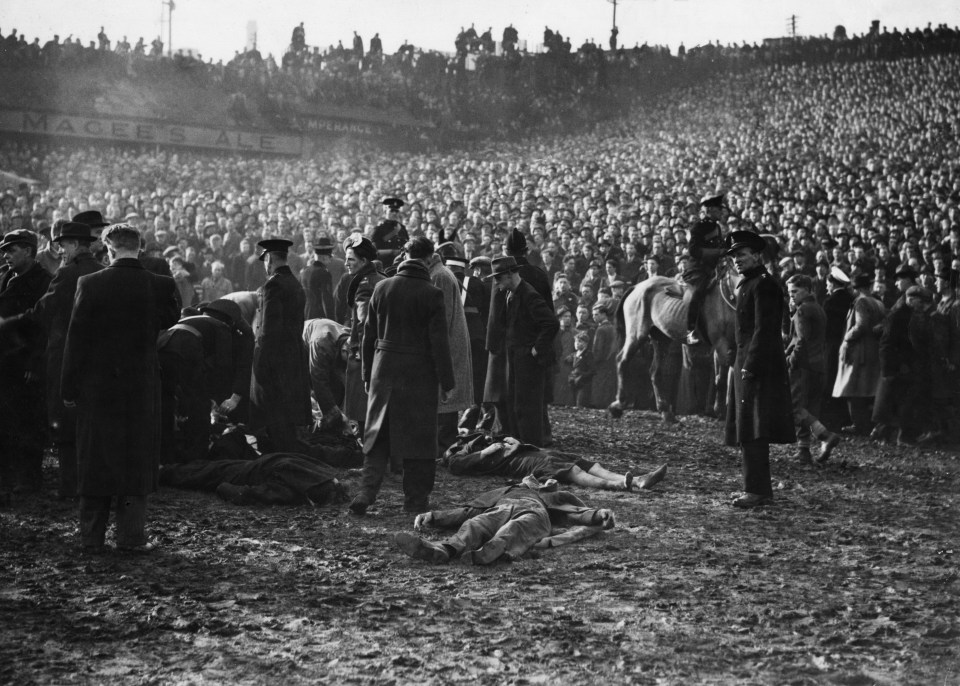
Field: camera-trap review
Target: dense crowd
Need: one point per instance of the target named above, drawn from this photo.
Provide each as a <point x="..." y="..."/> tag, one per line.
<point x="849" y="166"/>
<point x="484" y="86"/>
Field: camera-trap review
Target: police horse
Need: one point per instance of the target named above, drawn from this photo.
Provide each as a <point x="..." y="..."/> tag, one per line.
<point x="657" y="309"/>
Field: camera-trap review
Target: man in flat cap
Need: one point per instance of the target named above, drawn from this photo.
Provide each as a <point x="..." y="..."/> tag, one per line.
<point x="22" y="412"/>
<point x="317" y="282"/>
<point x="109" y="375"/>
<point x="204" y="359"/>
<point x="280" y="388"/>
<point x="363" y="278"/>
<point x="759" y="410"/>
<point x="390" y="235"/>
<point x="53" y="312"/>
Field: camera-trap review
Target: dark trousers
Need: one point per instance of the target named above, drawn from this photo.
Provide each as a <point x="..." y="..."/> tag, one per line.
<point x="446" y="432"/>
<point x="131" y="515"/>
<point x="859" y="409"/>
<point x="755" y="458"/>
<point x="67" y="456"/>
<point x="419" y="477"/>
<point x="526" y="379"/>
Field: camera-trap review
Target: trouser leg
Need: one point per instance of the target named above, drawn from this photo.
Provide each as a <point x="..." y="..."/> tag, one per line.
<point x="94" y="515"/>
<point x="131" y="520"/>
<point x="196" y="431"/>
<point x="522" y="532"/>
<point x="755" y="457"/>
<point x="446" y="431"/>
<point x="476" y="531"/>
<point x="374" y="469"/>
<point x="67" y="455"/>
<point x="418" y="479"/>
<point x="860" y="414"/>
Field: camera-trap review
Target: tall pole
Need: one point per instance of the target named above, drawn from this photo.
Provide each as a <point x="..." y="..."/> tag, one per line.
<point x="170" y="6"/>
<point x="614" y="13"/>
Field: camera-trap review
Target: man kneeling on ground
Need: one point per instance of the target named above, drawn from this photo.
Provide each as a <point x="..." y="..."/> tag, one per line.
<point x="506" y="523"/>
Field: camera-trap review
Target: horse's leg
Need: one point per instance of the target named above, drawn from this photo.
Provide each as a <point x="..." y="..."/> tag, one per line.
<point x="661" y="375"/>
<point x="721" y="367"/>
<point x="626" y="353"/>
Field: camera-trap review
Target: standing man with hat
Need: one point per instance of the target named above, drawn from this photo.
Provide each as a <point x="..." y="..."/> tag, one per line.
<point x="390" y="236"/>
<point x="858" y="374"/>
<point x="204" y="358"/>
<point x="317" y="282"/>
<point x="529" y="326"/>
<point x="22" y="412"/>
<point x="53" y="312"/>
<point x="407" y="368"/>
<point x="110" y="376"/>
<point x="759" y="410"/>
<point x="363" y="278"/>
<point x="280" y="388"/>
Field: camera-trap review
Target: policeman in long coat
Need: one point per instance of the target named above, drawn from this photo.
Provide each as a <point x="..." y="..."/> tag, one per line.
<point x="53" y="312"/>
<point x="110" y="376"/>
<point x="407" y="364"/>
<point x="759" y="410"/>
<point x="280" y="388"/>
<point x="22" y="411"/>
<point x="390" y="235"/>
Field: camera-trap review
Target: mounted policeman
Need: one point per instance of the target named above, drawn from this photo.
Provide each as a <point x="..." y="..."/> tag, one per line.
<point x="706" y="247"/>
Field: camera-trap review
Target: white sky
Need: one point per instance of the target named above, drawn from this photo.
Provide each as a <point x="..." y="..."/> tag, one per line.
<point x="219" y="27"/>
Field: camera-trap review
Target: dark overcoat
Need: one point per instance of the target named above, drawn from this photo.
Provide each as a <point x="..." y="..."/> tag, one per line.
<point x="358" y="293"/>
<point x="406" y="360"/>
<point x="760" y="408"/>
<point x="280" y="388"/>
<point x="18" y="293"/>
<point x="318" y="288"/>
<point x="495" y="386"/>
<point x="53" y="312"/>
<point x="110" y="370"/>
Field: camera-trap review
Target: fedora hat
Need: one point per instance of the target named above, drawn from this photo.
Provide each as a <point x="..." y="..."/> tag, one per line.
<point x="91" y="218"/>
<point x="503" y="265"/>
<point x="74" y="230"/>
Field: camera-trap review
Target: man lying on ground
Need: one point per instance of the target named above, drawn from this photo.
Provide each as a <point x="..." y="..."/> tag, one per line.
<point x="476" y="455"/>
<point x="506" y="523"/>
<point x="273" y="479"/>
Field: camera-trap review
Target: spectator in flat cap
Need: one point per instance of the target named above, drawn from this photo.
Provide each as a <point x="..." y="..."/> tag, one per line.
<point x="109" y="375"/>
<point x="280" y="390"/>
<point x="53" y="312"/>
<point x="22" y="420"/>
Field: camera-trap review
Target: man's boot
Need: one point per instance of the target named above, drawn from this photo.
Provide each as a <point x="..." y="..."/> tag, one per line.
<point x="830" y="441"/>
<point x="374" y="469"/>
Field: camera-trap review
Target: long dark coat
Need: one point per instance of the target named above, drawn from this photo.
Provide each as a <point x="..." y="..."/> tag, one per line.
<point x="495" y="386"/>
<point x="18" y="293"/>
<point x="53" y="312"/>
<point x="406" y="360"/>
<point x="759" y="409"/>
<point x="318" y="288"/>
<point x="359" y="290"/>
<point x="110" y="370"/>
<point x="280" y="388"/>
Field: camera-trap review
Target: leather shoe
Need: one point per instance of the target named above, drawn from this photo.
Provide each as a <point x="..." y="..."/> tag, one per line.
<point x="827" y="446"/>
<point x="416" y="547"/>
<point x="748" y="501"/>
<point x="359" y="505"/>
